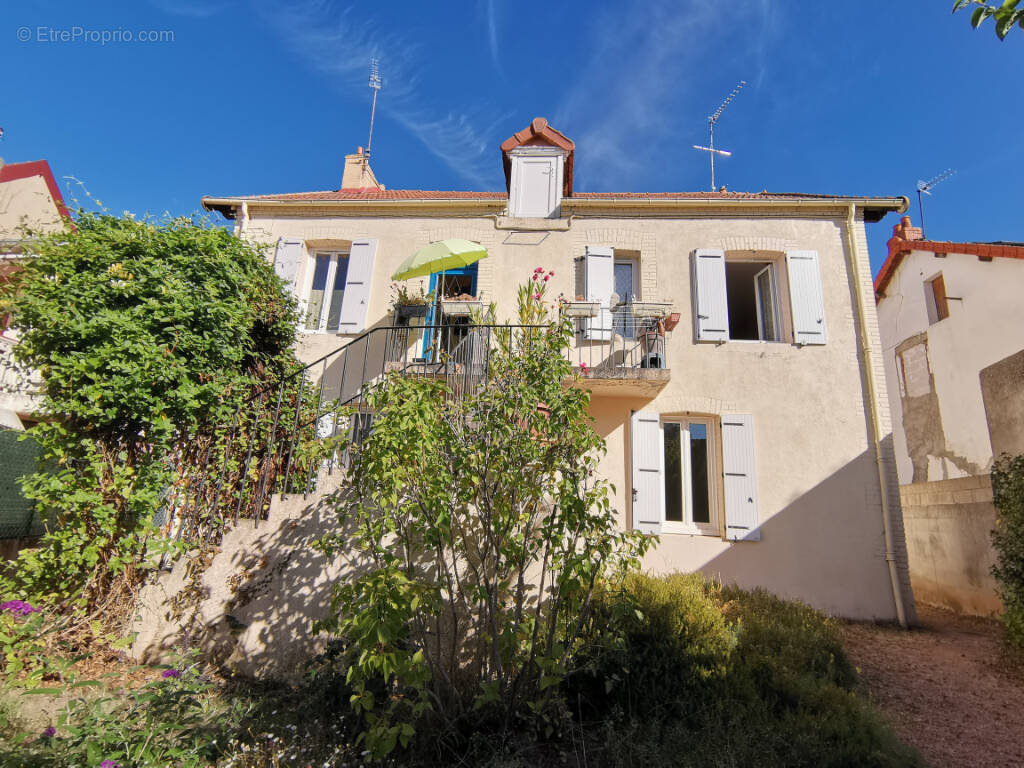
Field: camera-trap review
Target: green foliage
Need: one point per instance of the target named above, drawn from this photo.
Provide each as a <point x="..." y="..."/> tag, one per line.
<point x="650" y="640"/>
<point x="749" y="679"/>
<point x="480" y="532"/>
<point x="147" y="336"/>
<point x="1006" y="16"/>
<point x="1008" y="540"/>
<point x="170" y="721"/>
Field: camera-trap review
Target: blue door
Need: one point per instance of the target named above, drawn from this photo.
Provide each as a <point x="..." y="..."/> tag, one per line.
<point x="456" y="282"/>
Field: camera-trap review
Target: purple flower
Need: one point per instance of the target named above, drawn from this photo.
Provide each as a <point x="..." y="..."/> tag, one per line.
<point x="110" y="764"/>
<point x="171" y="673"/>
<point x="49" y="732"/>
<point x="18" y="608"/>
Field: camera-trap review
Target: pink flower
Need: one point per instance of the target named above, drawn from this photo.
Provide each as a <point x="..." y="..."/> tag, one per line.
<point x="546" y="278"/>
<point x="551" y="273"/>
<point x="534" y="278"/>
<point x="583" y="367"/>
<point x="536" y="296"/>
<point x="539" y="269"/>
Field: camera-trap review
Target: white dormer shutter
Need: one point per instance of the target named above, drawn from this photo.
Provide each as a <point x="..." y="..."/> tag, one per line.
<point x="599" y="263"/>
<point x="286" y="261"/>
<point x="710" y="301"/>
<point x="357" y="286"/>
<point x="648" y="491"/>
<point x="741" y="517"/>
<point x="806" y="297"/>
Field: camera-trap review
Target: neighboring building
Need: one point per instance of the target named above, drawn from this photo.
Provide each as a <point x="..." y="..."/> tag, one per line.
<point x="952" y="328"/>
<point x="30" y="204"/>
<point x="756" y="439"/>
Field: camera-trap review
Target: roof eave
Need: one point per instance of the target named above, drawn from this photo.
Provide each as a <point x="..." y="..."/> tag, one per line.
<point x="875" y="208"/>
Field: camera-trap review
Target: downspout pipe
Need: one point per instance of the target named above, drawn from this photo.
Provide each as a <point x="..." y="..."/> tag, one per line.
<point x="869" y="373"/>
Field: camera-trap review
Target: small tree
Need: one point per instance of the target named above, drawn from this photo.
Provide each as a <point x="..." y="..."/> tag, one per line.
<point x="477" y="530"/>
<point x="1008" y="540"/>
<point x="147" y="336"/>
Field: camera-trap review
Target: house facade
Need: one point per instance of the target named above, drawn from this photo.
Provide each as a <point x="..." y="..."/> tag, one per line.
<point x="753" y="436"/>
<point x="952" y="329"/>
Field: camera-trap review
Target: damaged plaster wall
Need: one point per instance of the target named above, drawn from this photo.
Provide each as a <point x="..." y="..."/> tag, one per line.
<point x="941" y="425"/>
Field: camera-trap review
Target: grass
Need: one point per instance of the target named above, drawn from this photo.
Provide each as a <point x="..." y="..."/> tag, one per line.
<point x="675" y="672"/>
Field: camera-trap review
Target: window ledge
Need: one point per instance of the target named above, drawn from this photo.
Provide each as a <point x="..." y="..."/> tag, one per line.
<point x="681" y="529"/>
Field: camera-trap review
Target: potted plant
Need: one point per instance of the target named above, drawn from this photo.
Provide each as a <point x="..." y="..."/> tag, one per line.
<point x="460" y="306"/>
<point x="578" y="307"/>
<point x="406" y="303"/>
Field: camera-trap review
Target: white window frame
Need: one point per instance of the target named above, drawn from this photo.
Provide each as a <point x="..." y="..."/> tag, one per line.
<point x="773" y="288"/>
<point x="687" y="526"/>
<point x="332" y="273"/>
<point x="634" y="264"/>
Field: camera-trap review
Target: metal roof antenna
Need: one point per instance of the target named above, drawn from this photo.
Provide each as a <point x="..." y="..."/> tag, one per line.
<point x="375" y="84"/>
<point x="712" y="119"/>
<point x="926" y="187"/>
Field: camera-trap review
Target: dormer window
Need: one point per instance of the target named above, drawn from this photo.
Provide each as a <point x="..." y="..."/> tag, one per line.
<point x="535" y="189"/>
<point x="538" y="170"/>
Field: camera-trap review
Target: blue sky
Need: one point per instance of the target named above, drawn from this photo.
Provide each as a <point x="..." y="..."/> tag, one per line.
<point x="261" y="97"/>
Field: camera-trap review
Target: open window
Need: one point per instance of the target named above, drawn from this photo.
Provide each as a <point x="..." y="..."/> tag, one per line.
<point x="327" y="291"/>
<point x="740" y="296"/>
<point x="936" y="302"/>
<point x="753" y="300"/>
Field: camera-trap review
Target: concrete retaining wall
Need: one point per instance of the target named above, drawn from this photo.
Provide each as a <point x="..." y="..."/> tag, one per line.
<point x="948" y="525"/>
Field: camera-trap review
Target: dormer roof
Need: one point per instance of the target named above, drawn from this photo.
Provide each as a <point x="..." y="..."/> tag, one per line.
<point x="539" y="134"/>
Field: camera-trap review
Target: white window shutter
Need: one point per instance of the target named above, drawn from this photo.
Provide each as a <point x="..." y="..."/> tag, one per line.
<point x="357" y="286"/>
<point x="710" y="303"/>
<point x="599" y="262"/>
<point x="741" y="518"/>
<point x="286" y="260"/>
<point x="806" y="296"/>
<point x="646" y="440"/>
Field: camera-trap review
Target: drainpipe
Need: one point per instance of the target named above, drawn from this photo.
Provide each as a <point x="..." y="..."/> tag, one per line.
<point x="865" y="345"/>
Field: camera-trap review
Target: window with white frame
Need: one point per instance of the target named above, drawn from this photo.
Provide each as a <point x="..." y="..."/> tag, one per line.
<point x="676" y="465"/>
<point x="690" y="503"/>
<point x="740" y="298"/>
<point x="333" y="285"/>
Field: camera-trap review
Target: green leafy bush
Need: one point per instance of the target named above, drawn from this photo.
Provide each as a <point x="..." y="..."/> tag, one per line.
<point x="650" y="643"/>
<point x="148" y="336"/>
<point x="1008" y="540"/>
<point x="476" y="531"/>
<point x="721" y="676"/>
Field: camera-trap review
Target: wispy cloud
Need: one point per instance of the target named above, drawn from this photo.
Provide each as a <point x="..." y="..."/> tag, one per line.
<point x="651" y="58"/>
<point x="340" y="44"/>
<point x="491" y="11"/>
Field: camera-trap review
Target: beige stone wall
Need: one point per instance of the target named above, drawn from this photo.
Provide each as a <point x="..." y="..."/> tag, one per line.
<point x="819" y="494"/>
<point x="948" y="525"/>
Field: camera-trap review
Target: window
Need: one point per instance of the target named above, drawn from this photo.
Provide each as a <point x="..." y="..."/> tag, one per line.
<point x="676" y="463"/>
<point x="625" y="282"/>
<point x="741" y="297"/>
<point x="327" y="292"/>
<point x="535" y="185"/>
<point x="935" y="299"/>
<point x="752" y="298"/>
<point x="689" y="505"/>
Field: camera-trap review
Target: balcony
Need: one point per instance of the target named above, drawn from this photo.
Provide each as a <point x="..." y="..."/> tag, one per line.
<point x="623" y="352"/>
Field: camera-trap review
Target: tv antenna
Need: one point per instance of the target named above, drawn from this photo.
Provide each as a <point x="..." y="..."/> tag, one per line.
<point x="712" y="119"/>
<point x="926" y="188"/>
<point x="375" y="84"/>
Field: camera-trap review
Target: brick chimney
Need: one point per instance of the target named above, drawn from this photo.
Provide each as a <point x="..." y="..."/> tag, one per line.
<point x="905" y="231"/>
<point x="358" y="174"/>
